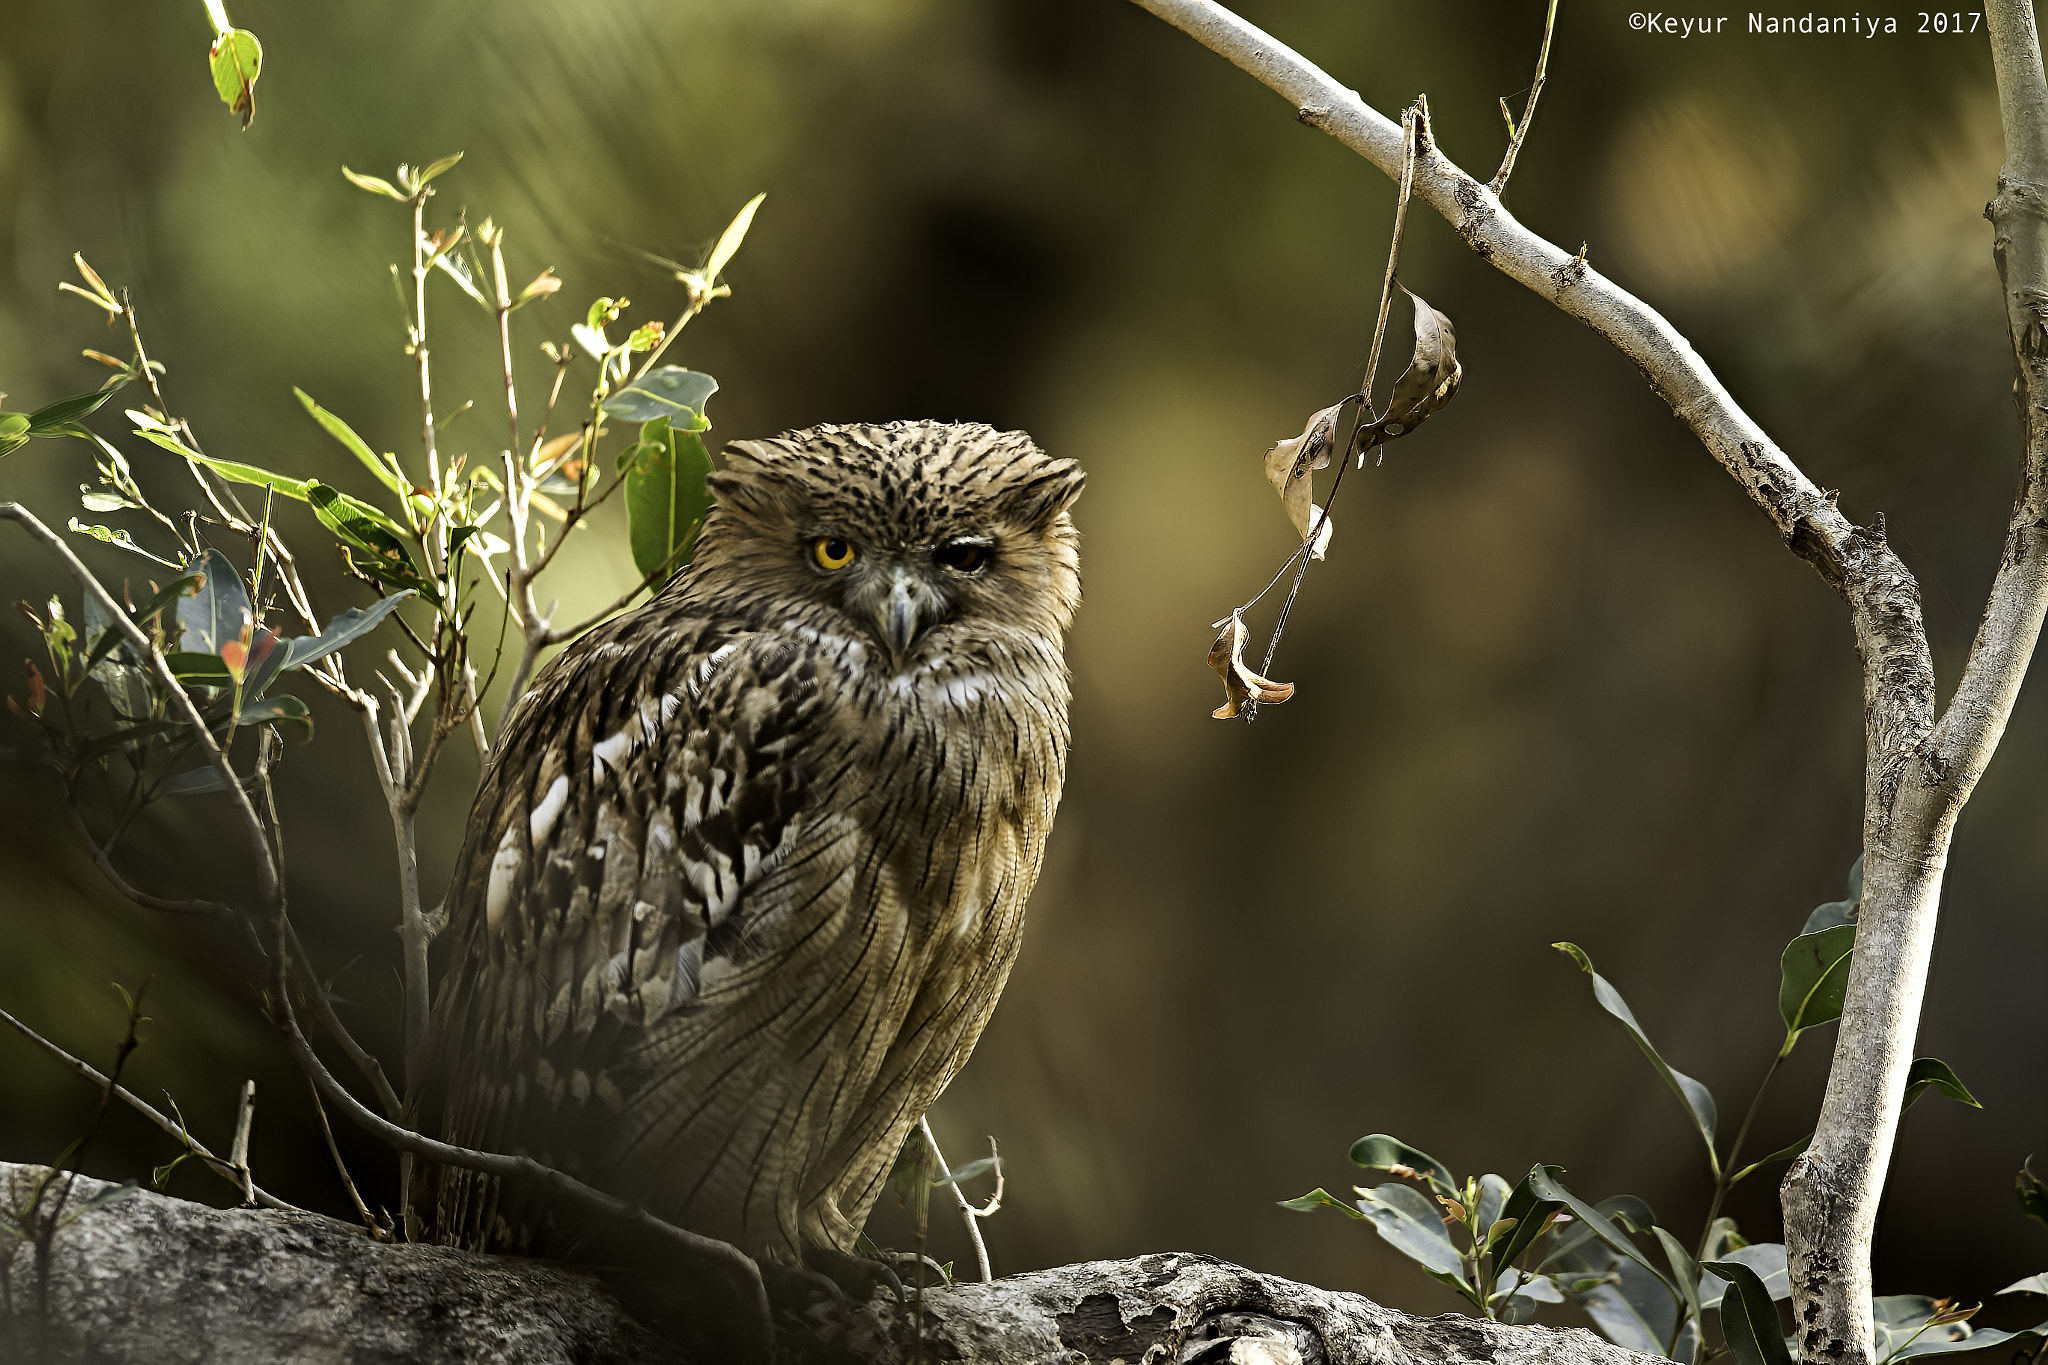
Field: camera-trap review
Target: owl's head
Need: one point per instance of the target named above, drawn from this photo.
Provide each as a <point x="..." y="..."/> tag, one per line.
<point x="924" y="535"/>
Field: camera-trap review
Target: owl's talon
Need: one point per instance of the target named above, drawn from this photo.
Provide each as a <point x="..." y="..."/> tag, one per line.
<point x="859" y="1276"/>
<point x="797" y="1288"/>
<point x="911" y="1258"/>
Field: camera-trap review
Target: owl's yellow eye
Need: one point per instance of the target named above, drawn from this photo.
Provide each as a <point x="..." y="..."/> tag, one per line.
<point x="832" y="552"/>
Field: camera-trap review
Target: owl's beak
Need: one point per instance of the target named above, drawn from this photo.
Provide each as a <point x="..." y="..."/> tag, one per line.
<point x="900" y="614"/>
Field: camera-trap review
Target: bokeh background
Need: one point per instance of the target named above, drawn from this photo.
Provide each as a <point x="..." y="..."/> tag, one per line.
<point x="1557" y="681"/>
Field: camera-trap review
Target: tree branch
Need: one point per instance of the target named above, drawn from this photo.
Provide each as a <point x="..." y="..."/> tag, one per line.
<point x="1917" y="774"/>
<point x="220" y="1166"/>
<point x="1919" y="777"/>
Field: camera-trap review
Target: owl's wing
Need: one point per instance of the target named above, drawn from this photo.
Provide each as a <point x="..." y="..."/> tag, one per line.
<point x="642" y="839"/>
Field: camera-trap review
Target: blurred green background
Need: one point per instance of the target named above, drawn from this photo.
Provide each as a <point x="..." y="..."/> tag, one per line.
<point x="1558" y="679"/>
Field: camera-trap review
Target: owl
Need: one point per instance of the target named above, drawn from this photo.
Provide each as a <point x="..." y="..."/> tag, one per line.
<point x="748" y="869"/>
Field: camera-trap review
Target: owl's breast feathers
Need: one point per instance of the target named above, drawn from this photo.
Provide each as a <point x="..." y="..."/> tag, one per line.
<point x="734" y="905"/>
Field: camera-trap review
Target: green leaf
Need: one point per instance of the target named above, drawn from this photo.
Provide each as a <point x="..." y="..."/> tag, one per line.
<point x="368" y="530"/>
<point x="1813" y="977"/>
<point x="161" y="1175"/>
<point x="350" y="625"/>
<point x="1686" y="1272"/>
<point x="100" y="629"/>
<point x="266" y="661"/>
<point x="374" y="184"/>
<point x="237" y="60"/>
<point x="233" y="471"/>
<point x="197" y="782"/>
<point x="1698" y="1100"/>
<point x="1912" y="1325"/>
<point x="1931" y="1073"/>
<point x="354" y="444"/>
<point x="1982" y="1339"/>
<point x="1841" y="911"/>
<point x="1631" y="1306"/>
<point x="1785" y="1153"/>
<point x="1767" y="1259"/>
<point x="1382" y="1152"/>
<point x="2033" y="1284"/>
<point x="672" y="392"/>
<point x="1532" y="1216"/>
<point x="666" y="501"/>
<point x="50" y="419"/>
<point x="277" y="711"/>
<point x="120" y="539"/>
<point x="1408" y="1222"/>
<point x="190" y="666"/>
<point x="1545" y="1186"/>
<point x="1630" y="1212"/>
<point x="215" y="609"/>
<point x="2031" y="1193"/>
<point x="1749" y="1319"/>
<point x="729" y="240"/>
<point x="134" y="738"/>
<point x="1493" y="1198"/>
<point x="1319" y="1198"/>
<point x="434" y="168"/>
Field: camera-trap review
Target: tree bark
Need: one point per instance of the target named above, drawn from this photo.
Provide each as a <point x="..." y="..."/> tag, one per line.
<point x="158" y="1281"/>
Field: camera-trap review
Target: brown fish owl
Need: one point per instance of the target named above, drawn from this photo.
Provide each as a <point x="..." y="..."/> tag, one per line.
<point x="748" y="869"/>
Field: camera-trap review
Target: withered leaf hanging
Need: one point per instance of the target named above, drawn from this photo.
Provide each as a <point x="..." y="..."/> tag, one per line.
<point x="1429" y="381"/>
<point x="1240" y="684"/>
<point x="1288" y="466"/>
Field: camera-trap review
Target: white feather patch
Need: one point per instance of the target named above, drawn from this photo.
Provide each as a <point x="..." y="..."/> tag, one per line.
<point x="542" y="823"/>
<point x="607" y="752"/>
<point x="505" y="866"/>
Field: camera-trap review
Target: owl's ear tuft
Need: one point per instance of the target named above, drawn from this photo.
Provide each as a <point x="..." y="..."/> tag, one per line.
<point x="1047" y="493"/>
<point x="745" y="484"/>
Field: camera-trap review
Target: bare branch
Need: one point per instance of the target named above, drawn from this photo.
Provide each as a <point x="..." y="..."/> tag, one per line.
<point x="220" y="1166"/>
<point x="1518" y="131"/>
<point x="1919" y="777"/>
<point x="376" y="1230"/>
<point x="238" y="1153"/>
<point x="968" y="1213"/>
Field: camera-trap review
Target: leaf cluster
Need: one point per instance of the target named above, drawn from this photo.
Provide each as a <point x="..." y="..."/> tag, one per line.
<point x="1507" y="1249"/>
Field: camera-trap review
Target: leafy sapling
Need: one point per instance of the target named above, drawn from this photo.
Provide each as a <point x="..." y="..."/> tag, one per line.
<point x="1507" y="1250"/>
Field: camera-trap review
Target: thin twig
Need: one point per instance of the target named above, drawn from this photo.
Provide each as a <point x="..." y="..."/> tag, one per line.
<point x="376" y="1230"/>
<point x="238" y="1153"/>
<point x="968" y="1214"/>
<point x="1414" y="119"/>
<point x="1414" y="126"/>
<point x="102" y="858"/>
<point x="218" y="1165"/>
<point x="1518" y="131"/>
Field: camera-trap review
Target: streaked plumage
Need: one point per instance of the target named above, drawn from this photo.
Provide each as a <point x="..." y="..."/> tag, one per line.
<point x="748" y="869"/>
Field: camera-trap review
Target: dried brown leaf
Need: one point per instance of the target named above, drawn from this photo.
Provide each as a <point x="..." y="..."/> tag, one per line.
<point x="1431" y="377"/>
<point x="1240" y="684"/>
<point x="1288" y="467"/>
